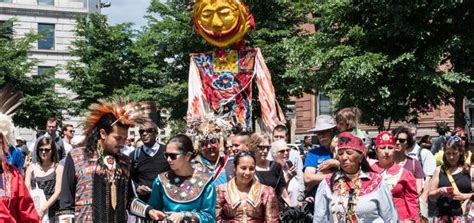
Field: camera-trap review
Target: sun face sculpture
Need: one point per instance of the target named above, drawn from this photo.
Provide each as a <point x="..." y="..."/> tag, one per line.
<point x="222" y="22"/>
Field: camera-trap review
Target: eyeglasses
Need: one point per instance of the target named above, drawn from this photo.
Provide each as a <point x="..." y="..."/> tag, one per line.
<point x="44" y="150"/>
<point x="210" y="141"/>
<point x="174" y="156"/>
<point x="149" y="130"/>
<point x="400" y="140"/>
<point x="263" y="147"/>
<point x="284" y="150"/>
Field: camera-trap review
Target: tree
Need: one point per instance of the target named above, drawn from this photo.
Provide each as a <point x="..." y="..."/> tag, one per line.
<point x="105" y="64"/>
<point x="384" y="56"/>
<point x="40" y="99"/>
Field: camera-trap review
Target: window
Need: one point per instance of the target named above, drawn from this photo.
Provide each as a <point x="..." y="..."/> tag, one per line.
<point x="47" y="42"/>
<point x="45" y="2"/>
<point x="324" y="104"/>
<point x="43" y="69"/>
<point x="6" y="1"/>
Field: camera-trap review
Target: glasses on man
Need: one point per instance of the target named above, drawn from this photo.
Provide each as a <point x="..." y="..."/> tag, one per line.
<point x="174" y="156"/>
<point x="402" y="141"/>
<point x="149" y="130"/>
<point x="209" y="141"/>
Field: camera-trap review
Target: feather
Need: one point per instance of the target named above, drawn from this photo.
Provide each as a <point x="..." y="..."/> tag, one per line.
<point x="9" y="103"/>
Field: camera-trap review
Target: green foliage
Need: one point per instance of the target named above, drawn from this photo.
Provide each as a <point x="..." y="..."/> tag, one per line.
<point x="381" y="56"/>
<point x="40" y="99"/>
<point x="106" y="63"/>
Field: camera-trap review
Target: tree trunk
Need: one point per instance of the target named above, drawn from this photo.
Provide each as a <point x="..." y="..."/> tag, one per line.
<point x="459" y="115"/>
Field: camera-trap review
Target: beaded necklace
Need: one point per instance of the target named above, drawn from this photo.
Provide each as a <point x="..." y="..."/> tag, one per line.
<point x="350" y="189"/>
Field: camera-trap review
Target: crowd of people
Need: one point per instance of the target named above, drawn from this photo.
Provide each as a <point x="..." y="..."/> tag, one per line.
<point x="213" y="173"/>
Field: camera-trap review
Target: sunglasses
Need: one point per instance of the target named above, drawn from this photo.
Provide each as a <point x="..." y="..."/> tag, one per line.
<point x="210" y="141"/>
<point x="284" y="150"/>
<point x="44" y="150"/>
<point x="245" y="153"/>
<point x="149" y="130"/>
<point x="262" y="147"/>
<point x="174" y="156"/>
<point x="400" y="140"/>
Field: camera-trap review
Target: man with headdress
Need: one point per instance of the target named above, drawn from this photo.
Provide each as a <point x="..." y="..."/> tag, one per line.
<point x="209" y="133"/>
<point x="16" y="204"/>
<point x="96" y="176"/>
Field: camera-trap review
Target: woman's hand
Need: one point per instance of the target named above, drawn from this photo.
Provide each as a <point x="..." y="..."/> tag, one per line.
<point x="461" y="196"/>
<point x="157" y="215"/>
<point x="443" y="191"/>
<point x="291" y="173"/>
<point x="174" y="217"/>
<point x="41" y="211"/>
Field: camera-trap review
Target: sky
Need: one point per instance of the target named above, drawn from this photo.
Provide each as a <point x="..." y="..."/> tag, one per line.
<point x="127" y="11"/>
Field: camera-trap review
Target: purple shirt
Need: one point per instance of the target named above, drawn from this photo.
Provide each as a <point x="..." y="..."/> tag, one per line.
<point x="414" y="167"/>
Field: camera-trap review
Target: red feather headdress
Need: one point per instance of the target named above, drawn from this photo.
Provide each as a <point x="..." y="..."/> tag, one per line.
<point x="127" y="113"/>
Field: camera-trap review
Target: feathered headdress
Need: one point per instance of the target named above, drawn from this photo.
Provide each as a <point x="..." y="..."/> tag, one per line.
<point x="10" y="101"/>
<point x="127" y="113"/>
<point x="208" y="127"/>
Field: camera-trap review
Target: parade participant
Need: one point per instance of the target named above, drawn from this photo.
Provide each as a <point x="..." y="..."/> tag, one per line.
<point x="240" y="142"/>
<point x="46" y="174"/>
<point x="16" y="204"/>
<point x="148" y="160"/>
<point x="67" y="132"/>
<point x="305" y="147"/>
<point x="347" y="120"/>
<point x="403" y="141"/>
<point x="459" y="132"/>
<point x="209" y="134"/>
<point x="355" y="193"/>
<point x="244" y="199"/>
<point x="268" y="173"/>
<point x="280" y="153"/>
<point x="185" y="193"/>
<point x="96" y="177"/>
<point x="398" y="180"/>
<point x="324" y="128"/>
<point x="51" y="131"/>
<point x="296" y="193"/>
<point x="451" y="183"/>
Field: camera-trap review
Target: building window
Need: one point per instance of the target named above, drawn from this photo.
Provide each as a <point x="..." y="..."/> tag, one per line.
<point x="324" y="104"/>
<point x="47" y="42"/>
<point x="43" y="69"/>
<point x="6" y="1"/>
<point x="45" y="2"/>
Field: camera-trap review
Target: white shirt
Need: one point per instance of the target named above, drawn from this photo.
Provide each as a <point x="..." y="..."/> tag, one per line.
<point x="427" y="159"/>
<point x="153" y="150"/>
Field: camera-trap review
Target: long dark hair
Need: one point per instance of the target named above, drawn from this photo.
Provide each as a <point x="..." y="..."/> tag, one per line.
<point x="47" y="141"/>
<point x="104" y="123"/>
<point x="456" y="144"/>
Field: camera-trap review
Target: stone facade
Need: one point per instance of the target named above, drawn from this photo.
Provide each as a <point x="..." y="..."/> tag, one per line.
<point x="29" y="15"/>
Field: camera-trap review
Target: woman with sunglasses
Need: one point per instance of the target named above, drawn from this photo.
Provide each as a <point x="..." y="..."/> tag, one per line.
<point x="186" y="193"/>
<point x="46" y="174"/>
<point x="268" y="173"/>
<point x="354" y="193"/>
<point x="400" y="181"/>
<point x="403" y="141"/>
<point x="243" y="198"/>
<point x="451" y="182"/>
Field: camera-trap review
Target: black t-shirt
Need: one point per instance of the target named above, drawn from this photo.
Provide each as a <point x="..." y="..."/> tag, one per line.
<point x="274" y="177"/>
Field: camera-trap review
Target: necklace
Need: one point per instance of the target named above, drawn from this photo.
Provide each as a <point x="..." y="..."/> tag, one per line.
<point x="350" y="190"/>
